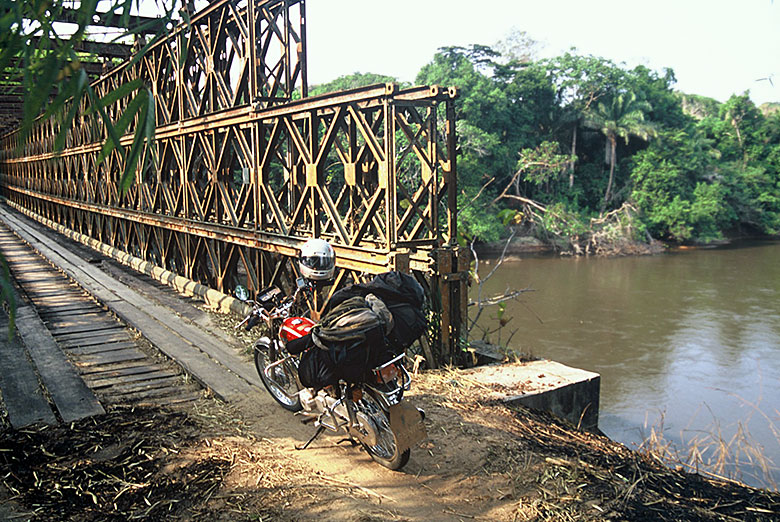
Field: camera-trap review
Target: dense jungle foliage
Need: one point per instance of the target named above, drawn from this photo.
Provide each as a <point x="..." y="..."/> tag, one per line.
<point x="579" y="150"/>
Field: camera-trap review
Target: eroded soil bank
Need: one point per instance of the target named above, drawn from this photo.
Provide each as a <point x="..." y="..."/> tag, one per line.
<point x="482" y="461"/>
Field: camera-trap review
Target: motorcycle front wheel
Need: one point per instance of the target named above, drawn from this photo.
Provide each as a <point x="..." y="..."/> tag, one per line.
<point x="281" y="383"/>
<point x="385" y="451"/>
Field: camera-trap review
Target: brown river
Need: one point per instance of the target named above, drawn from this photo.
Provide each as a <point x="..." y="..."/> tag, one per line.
<point x="686" y="342"/>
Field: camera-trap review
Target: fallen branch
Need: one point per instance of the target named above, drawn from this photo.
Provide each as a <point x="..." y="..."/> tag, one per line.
<point x="497" y="299"/>
<point x="481" y="281"/>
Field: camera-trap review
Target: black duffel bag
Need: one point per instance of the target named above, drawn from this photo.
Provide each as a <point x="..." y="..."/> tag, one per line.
<point x="316" y="369"/>
<point x="404" y="298"/>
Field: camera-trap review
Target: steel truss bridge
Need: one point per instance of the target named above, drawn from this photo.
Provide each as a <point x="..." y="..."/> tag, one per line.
<point x="247" y="166"/>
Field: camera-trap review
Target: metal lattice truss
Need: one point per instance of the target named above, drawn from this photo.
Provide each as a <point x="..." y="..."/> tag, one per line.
<point x="239" y="175"/>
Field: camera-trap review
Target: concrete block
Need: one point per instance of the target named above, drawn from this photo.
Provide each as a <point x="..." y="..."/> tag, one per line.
<point x="569" y="393"/>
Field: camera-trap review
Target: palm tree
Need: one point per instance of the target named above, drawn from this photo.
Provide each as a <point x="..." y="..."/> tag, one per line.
<point x="622" y="117"/>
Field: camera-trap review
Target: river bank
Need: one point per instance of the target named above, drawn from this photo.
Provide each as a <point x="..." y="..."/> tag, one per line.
<point x="528" y="246"/>
<point x="686" y="343"/>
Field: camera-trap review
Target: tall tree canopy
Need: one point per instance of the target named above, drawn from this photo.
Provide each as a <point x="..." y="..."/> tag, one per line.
<point x="622" y="116"/>
<point x="540" y="131"/>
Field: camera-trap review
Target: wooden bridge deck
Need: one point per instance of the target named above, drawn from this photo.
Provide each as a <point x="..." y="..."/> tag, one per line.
<point x="91" y="334"/>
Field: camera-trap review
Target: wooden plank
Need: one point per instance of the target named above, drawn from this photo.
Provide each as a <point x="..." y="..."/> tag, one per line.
<point x="22" y="394"/>
<point x="82" y="315"/>
<point x="75" y="312"/>
<point x="59" y="284"/>
<point x="73" y="399"/>
<point x="66" y="294"/>
<point x="72" y="322"/>
<point x="58" y="301"/>
<point x="35" y="268"/>
<point x="45" y="272"/>
<point x="92" y="312"/>
<point x="146" y="394"/>
<point x="151" y="384"/>
<point x="30" y="271"/>
<point x="224" y="384"/>
<point x="91" y="339"/>
<point x="32" y="266"/>
<point x="28" y="265"/>
<point x="100" y="348"/>
<point x="173" y="401"/>
<point x="128" y="354"/>
<point x="55" y="291"/>
<point x="45" y="278"/>
<point x="70" y="307"/>
<point x="97" y="327"/>
<point x="111" y="381"/>
<point x="49" y="283"/>
<point x="115" y="370"/>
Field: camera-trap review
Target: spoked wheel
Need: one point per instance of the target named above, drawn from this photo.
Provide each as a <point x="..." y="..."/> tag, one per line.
<point x="383" y="449"/>
<point x="281" y="383"/>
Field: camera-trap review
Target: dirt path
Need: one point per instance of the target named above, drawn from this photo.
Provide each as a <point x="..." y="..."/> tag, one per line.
<point x="439" y="482"/>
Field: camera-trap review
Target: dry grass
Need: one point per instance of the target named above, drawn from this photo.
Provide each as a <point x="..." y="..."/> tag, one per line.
<point x="151" y="464"/>
<point x="205" y="463"/>
<point x="558" y="473"/>
<point x="735" y="456"/>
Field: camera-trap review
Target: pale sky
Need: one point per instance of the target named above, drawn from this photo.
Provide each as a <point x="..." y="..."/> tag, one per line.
<point x="716" y="48"/>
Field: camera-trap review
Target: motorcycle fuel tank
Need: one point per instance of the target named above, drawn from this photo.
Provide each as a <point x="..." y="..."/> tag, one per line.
<point x="295" y="328"/>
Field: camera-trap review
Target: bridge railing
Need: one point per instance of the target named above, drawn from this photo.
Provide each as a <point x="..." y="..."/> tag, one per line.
<point x="239" y="174"/>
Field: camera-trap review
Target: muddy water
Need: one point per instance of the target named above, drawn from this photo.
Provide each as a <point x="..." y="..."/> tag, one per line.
<point x="687" y="342"/>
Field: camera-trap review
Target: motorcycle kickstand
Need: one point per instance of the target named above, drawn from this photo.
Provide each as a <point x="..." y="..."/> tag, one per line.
<point x="316" y="434"/>
<point x="350" y="440"/>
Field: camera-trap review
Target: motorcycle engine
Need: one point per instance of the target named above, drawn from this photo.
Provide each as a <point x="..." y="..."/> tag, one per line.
<point x="308" y="401"/>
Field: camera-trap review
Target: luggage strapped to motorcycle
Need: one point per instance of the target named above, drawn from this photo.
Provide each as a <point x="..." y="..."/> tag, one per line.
<point x="353" y="336"/>
<point x="403" y="296"/>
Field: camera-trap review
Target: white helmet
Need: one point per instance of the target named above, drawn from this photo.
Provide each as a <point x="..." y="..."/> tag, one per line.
<point x="317" y="260"/>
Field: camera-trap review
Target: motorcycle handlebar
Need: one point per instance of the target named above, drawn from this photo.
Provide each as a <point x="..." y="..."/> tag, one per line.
<point x="260" y="313"/>
<point x="253" y="320"/>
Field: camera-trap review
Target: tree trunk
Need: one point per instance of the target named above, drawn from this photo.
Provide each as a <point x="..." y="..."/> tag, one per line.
<point x="612" y="157"/>
<point x="573" y="155"/>
<point x="739" y="135"/>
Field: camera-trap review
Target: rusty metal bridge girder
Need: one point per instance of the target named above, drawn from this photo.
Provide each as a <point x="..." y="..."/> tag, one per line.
<point x="243" y="174"/>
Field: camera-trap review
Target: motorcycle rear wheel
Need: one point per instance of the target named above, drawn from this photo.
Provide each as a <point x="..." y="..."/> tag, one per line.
<point x="283" y="386"/>
<point x="385" y="451"/>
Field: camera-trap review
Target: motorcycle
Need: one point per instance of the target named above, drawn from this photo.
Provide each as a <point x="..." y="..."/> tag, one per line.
<point x="371" y="413"/>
